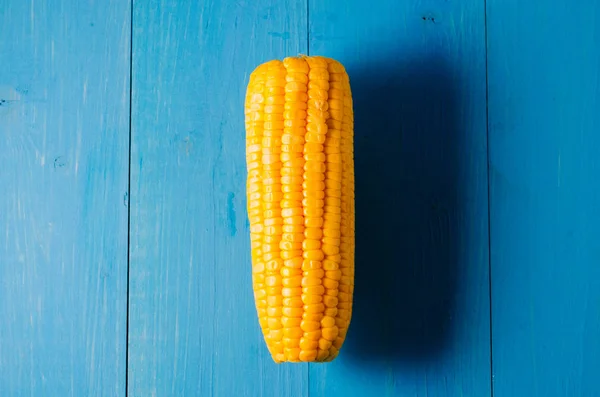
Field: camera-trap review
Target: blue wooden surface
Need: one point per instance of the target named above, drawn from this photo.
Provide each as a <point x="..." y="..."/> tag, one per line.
<point x="544" y="126"/>
<point x="437" y="84"/>
<point x="64" y="127"/>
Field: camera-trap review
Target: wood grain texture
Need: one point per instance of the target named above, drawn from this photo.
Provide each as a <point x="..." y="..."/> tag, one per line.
<point x="544" y="126"/>
<point x="193" y="325"/>
<point x="64" y="128"/>
<point x="420" y="325"/>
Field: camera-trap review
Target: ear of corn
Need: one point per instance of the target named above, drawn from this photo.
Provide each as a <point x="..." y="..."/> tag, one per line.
<point x="300" y="197"/>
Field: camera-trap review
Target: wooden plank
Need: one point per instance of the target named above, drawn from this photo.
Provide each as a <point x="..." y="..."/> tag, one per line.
<point x="193" y="325"/>
<point x="420" y="324"/>
<point x="544" y="126"/>
<point x="64" y="131"/>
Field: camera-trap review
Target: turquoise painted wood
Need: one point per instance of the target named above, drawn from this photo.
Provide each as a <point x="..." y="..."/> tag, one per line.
<point x="193" y="327"/>
<point x="477" y="133"/>
<point x="421" y="314"/>
<point x="64" y="132"/>
<point x="544" y="126"/>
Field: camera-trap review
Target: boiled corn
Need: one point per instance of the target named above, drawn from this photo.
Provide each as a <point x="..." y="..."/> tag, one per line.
<point x="300" y="197"/>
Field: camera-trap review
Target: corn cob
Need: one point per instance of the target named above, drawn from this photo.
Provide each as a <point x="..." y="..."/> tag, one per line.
<point x="300" y="198"/>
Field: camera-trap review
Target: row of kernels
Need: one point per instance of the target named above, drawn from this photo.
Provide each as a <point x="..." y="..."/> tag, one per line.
<point x="313" y="208"/>
<point x="346" y="285"/>
<point x="293" y="141"/>
<point x="271" y="202"/>
<point x="254" y="132"/>
<point x="313" y="305"/>
<point x="332" y="216"/>
<point x="337" y="147"/>
<point x="330" y="299"/>
<point x="314" y="167"/>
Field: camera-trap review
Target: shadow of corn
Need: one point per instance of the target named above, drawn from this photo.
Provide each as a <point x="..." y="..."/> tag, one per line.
<point x="407" y="216"/>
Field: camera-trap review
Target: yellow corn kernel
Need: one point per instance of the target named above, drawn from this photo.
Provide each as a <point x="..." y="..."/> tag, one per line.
<point x="324" y="344"/>
<point x="308" y="355"/>
<point x="290" y="342"/>
<point x="290" y="322"/>
<point x="312" y="316"/>
<point x="308" y="326"/>
<point x="290" y="272"/>
<point x="292" y="354"/>
<point x="322" y="355"/>
<point x="307" y="344"/>
<point x="310" y="299"/>
<point x="295" y="332"/>
<point x="330" y="333"/>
